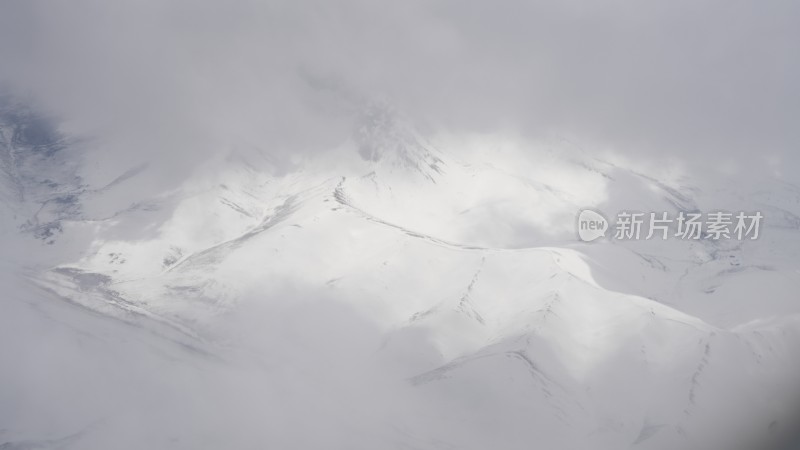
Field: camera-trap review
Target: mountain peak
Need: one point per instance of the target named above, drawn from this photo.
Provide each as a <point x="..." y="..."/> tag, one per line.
<point x="384" y="137"/>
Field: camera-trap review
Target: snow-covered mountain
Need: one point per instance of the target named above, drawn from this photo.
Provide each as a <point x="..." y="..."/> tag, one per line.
<point x="396" y="291"/>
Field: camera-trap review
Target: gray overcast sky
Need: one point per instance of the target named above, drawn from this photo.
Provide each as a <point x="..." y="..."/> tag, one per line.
<point x="698" y="80"/>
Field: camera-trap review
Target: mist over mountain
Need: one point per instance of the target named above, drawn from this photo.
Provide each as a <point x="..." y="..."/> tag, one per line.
<point x="352" y="225"/>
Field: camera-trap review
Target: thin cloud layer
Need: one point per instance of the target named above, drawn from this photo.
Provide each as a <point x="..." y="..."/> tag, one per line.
<point x="711" y="82"/>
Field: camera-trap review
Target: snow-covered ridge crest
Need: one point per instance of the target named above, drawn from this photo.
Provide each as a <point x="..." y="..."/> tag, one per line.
<point x="465" y="267"/>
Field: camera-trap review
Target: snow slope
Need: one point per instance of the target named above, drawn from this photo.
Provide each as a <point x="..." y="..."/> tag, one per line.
<point x="460" y="280"/>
